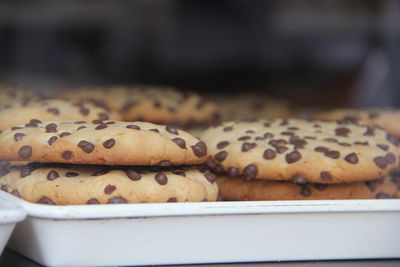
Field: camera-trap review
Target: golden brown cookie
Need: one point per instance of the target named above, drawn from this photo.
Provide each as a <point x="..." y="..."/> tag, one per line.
<point x="84" y="184"/>
<point x="101" y="142"/>
<point x="298" y="150"/>
<point x="155" y="104"/>
<point x="387" y="119"/>
<point x="52" y="109"/>
<point x="237" y="188"/>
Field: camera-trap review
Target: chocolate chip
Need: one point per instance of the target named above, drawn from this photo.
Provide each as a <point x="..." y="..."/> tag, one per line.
<point x="299" y="179"/>
<point x="33" y="123"/>
<point x="267" y="124"/>
<point x="16" y="128"/>
<point x="45" y="200"/>
<point x="334" y="154"/>
<point x="161" y="178"/>
<point x="284" y="122"/>
<point x="390" y="158"/>
<point x="101" y="127"/>
<point x="250" y="172"/>
<point x="305" y="191"/>
<point x="64" y="134"/>
<point x="84" y="111"/>
<point x="233" y="171"/>
<point x="287" y="133"/>
<point x="134" y="176"/>
<point x="344" y="144"/>
<point x="248" y="146"/>
<point x="172" y="199"/>
<point x="349" y="119"/>
<point x="331" y="140"/>
<point x="210" y="176"/>
<point x="155" y="130"/>
<point x="244" y="138"/>
<point x="326" y="176"/>
<point x="117" y="200"/>
<point x="25" y="152"/>
<point x="250" y="131"/>
<point x="25" y="171"/>
<point x="370" y="131"/>
<point x="181" y="173"/>
<point x="52" y="175"/>
<point x="172" y="130"/>
<point x="342" y="131"/>
<point x="79" y="122"/>
<point x="361" y="143"/>
<point x="281" y="149"/>
<point x="165" y="163"/>
<point x="260" y="138"/>
<point x="268" y="135"/>
<point x="269" y="154"/>
<point x="310" y="137"/>
<point x="382" y="196"/>
<point x="317" y="126"/>
<point x="18" y="136"/>
<point x="321" y="149"/>
<point x="81" y="127"/>
<point x="393" y="140"/>
<point x="15" y="193"/>
<point x="109" y="143"/>
<point x="228" y="129"/>
<point x="220" y="156"/>
<point x="383" y="147"/>
<point x="133" y="127"/>
<point x="97" y="121"/>
<point x="110" y="122"/>
<point x="320" y="187"/>
<point x="352" y="158"/>
<point x="293" y="157"/>
<point x="100" y="172"/>
<point x="86" y="146"/>
<point x="51" y="128"/>
<point x="222" y="144"/>
<point x="71" y="174"/>
<point x="199" y="149"/>
<point x="297" y="142"/>
<point x="109" y="189"/>
<point x="93" y="201"/>
<point x="55" y="111"/>
<point x="66" y="155"/>
<point x="381" y="162"/>
<point x="52" y="140"/>
<point x="180" y="142"/>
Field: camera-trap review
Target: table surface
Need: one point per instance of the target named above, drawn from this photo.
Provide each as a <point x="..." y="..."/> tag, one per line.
<point x="10" y="258"/>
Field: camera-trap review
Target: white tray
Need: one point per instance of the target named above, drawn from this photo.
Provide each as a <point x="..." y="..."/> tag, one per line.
<point x="206" y="232"/>
<point x="10" y="214"/>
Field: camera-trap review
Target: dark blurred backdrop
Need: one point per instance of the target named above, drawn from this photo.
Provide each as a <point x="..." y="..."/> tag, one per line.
<point x="314" y="52"/>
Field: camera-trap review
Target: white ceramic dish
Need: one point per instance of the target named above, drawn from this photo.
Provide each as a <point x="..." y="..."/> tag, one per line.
<point x="10" y="214"/>
<point x="183" y="233"/>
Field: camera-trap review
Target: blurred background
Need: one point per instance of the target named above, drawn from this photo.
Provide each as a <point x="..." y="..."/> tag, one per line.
<point x="310" y="52"/>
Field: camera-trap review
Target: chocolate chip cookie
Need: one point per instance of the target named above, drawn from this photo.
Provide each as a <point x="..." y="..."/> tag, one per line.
<point x="156" y="104"/>
<point x="387" y="119"/>
<point x="238" y="188"/>
<point x="301" y="151"/>
<point x="52" y="109"/>
<point x="74" y="185"/>
<point x="101" y="142"/>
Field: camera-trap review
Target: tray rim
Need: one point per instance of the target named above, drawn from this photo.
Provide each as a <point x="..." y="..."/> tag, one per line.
<point x="108" y="211"/>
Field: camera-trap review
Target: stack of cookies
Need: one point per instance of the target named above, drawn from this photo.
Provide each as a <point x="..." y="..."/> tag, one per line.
<point x="104" y="161"/>
<point x="298" y="160"/>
